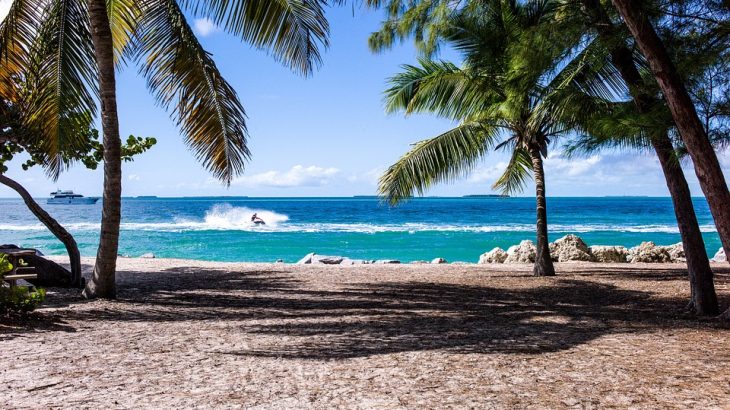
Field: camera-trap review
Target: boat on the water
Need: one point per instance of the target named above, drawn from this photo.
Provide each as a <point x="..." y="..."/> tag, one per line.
<point x="69" y="198"/>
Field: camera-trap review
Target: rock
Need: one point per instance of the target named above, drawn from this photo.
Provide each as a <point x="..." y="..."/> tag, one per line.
<point x="327" y="260"/>
<point x="386" y="261"/>
<point x="496" y="255"/>
<point x="522" y="253"/>
<point x="280" y="261"/>
<point x="148" y="255"/>
<point x="648" y="252"/>
<point x="306" y="259"/>
<point x="720" y="257"/>
<point x="439" y="260"/>
<point x="676" y="252"/>
<point x="50" y="274"/>
<point x="571" y="248"/>
<point x="610" y="254"/>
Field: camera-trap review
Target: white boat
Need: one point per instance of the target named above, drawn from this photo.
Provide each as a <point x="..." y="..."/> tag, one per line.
<point x="69" y="198"/>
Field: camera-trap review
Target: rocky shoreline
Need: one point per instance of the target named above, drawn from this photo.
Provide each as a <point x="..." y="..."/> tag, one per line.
<point x="569" y="248"/>
<point x="572" y="248"/>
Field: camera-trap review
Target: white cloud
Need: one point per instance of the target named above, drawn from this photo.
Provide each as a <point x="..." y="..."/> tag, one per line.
<point x="204" y="27"/>
<point x="133" y="177"/>
<point x="297" y="176"/>
<point x="487" y="174"/>
<point x="370" y="177"/>
<point x="571" y="166"/>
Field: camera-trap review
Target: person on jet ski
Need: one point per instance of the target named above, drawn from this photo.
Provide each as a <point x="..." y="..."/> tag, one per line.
<point x="258" y="221"/>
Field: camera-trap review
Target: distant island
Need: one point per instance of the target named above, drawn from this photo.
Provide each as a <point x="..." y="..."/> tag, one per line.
<point x="487" y="196"/>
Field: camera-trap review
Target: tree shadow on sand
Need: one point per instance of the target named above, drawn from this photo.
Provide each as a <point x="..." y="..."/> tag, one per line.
<point x="288" y="317"/>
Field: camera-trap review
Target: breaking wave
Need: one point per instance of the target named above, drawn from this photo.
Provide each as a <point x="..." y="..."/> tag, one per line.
<point x="229" y="218"/>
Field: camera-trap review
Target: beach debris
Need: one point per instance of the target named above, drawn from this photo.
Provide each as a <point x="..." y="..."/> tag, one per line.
<point x="496" y="255"/>
<point x="439" y="260"/>
<point x="348" y="261"/>
<point x="570" y="248"/>
<point x="313" y="258"/>
<point x="306" y="259"/>
<point x="522" y="253"/>
<point x="610" y="254"/>
<point x="648" y="252"/>
<point x="720" y="257"/>
<point x="327" y="260"/>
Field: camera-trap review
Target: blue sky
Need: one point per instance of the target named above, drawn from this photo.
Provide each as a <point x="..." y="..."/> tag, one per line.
<point x="326" y="135"/>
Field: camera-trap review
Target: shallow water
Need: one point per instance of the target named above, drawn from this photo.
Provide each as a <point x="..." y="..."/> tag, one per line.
<point x="458" y="229"/>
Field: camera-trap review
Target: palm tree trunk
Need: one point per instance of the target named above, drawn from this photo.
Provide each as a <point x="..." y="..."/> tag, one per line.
<point x="543" y="261"/>
<point x="707" y="167"/>
<point x="704" y="298"/>
<point x="58" y="231"/>
<point x="102" y="283"/>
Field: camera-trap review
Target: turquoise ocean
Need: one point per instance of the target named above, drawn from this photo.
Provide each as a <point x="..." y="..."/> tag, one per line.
<point x="458" y="229"/>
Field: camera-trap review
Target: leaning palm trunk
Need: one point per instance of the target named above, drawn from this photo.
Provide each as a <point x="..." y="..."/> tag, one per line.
<point x="102" y="283"/>
<point x="704" y="299"/>
<point x="543" y="261"/>
<point x="707" y="167"/>
<point x="58" y="231"/>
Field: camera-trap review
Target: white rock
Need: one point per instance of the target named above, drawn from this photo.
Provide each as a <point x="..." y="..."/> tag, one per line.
<point x="148" y="255"/>
<point x="439" y="260"/>
<point x="648" y="252"/>
<point x="522" y="253"/>
<point x="496" y="255"/>
<point x="676" y="252"/>
<point x="327" y="260"/>
<point x="306" y="259"/>
<point x="570" y="248"/>
<point x="418" y="262"/>
<point x="720" y="257"/>
<point x="610" y="254"/>
<point x="386" y="261"/>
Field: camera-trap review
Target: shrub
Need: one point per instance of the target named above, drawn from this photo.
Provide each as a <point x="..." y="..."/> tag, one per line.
<point x="19" y="298"/>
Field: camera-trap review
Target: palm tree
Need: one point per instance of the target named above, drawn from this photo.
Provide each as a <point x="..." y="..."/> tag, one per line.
<point x="649" y="109"/>
<point x="496" y="96"/>
<point x="707" y="167"/>
<point x="86" y="41"/>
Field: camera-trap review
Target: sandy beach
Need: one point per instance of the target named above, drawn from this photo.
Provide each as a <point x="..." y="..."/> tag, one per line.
<point x="190" y="334"/>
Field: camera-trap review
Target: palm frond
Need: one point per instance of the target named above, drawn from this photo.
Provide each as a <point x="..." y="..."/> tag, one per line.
<point x="184" y="79"/>
<point x="123" y="18"/>
<point x="518" y="171"/>
<point x="440" y="159"/>
<point x="61" y="79"/>
<point x="293" y="30"/>
<point x="17" y="33"/>
<point x="441" y="88"/>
